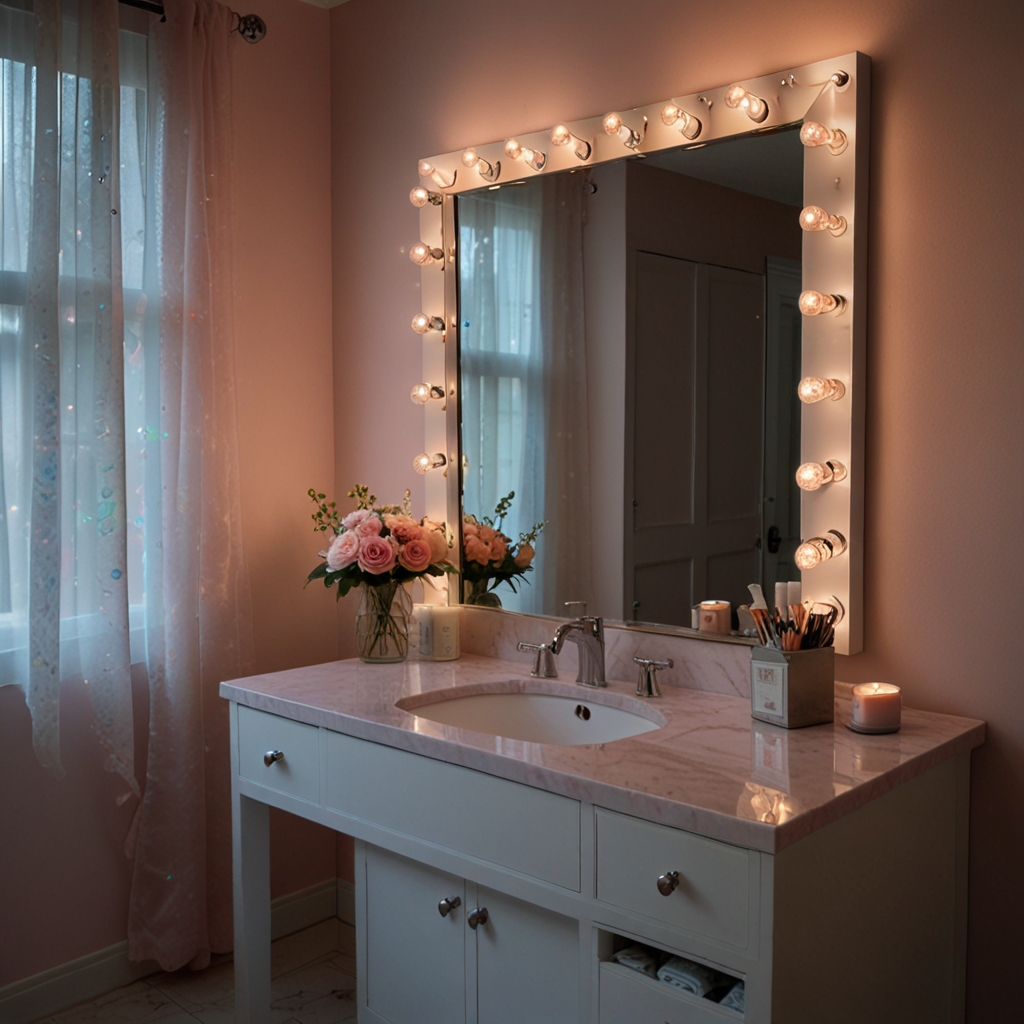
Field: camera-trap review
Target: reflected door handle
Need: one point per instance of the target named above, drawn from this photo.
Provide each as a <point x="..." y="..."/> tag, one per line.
<point x="668" y="882"/>
<point x="774" y="540"/>
<point x="476" y="917"/>
<point x="448" y="904"/>
<point x="271" y="756"/>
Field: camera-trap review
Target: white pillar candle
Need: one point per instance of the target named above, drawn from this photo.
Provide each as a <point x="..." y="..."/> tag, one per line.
<point x="877" y="707"/>
<point x="715" y="617"/>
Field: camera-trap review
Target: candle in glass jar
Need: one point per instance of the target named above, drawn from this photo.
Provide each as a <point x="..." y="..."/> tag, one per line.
<point x="877" y="707"/>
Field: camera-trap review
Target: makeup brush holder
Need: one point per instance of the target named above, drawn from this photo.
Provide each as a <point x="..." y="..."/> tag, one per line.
<point x="792" y="688"/>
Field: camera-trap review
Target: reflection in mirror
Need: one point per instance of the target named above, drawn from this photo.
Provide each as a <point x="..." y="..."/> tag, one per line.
<point x="629" y="358"/>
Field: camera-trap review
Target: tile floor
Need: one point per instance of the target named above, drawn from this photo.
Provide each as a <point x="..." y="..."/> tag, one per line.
<point x="313" y="982"/>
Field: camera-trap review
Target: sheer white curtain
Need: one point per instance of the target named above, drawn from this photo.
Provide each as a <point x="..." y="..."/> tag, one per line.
<point x="119" y="535"/>
<point x="523" y="368"/>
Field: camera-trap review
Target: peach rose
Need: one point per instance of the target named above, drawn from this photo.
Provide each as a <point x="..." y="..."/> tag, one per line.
<point x="370" y="526"/>
<point x="524" y="556"/>
<point x="438" y="543"/>
<point x="404" y="528"/>
<point x="477" y="550"/>
<point x="353" y="519"/>
<point x="377" y="555"/>
<point x="416" y="555"/>
<point x="470" y="529"/>
<point x="344" y="550"/>
<point x="487" y="533"/>
<point x="499" y="548"/>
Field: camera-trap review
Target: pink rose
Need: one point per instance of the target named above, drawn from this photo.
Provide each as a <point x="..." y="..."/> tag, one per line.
<point x="404" y="528"/>
<point x="499" y="548"/>
<point x="524" y="556"/>
<point x="370" y="526"/>
<point x="377" y="555"/>
<point x="344" y="550"/>
<point x="470" y="529"/>
<point x="438" y="543"/>
<point x="477" y="550"/>
<point x="416" y="555"/>
<point x="353" y="519"/>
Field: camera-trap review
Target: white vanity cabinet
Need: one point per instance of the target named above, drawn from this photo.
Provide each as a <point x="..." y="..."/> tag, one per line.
<point x="861" y="918"/>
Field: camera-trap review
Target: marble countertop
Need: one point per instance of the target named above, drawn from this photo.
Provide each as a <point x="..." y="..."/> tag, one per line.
<point x="710" y="769"/>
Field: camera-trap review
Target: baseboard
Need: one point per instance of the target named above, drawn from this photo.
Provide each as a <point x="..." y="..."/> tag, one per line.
<point x="91" y="976"/>
<point x="346" y="901"/>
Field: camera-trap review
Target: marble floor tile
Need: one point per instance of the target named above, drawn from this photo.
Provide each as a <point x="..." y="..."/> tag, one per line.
<point x="304" y="947"/>
<point x="137" y="1003"/>
<point x="194" y="989"/>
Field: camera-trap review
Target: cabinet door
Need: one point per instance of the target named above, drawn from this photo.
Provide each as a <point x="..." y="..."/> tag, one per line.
<point x="415" y="958"/>
<point x="527" y="963"/>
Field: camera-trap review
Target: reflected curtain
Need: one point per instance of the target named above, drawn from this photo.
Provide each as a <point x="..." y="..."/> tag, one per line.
<point x="119" y="498"/>
<point x="523" y="368"/>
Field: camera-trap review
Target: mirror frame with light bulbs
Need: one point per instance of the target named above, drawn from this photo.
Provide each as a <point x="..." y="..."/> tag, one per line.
<point x="832" y="92"/>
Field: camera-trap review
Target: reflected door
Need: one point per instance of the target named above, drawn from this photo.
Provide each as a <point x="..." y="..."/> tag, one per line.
<point x="694" y="489"/>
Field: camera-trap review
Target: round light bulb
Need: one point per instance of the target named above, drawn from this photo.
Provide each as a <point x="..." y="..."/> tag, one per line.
<point x="423" y="255"/>
<point x="819" y="549"/>
<point x="612" y="124"/>
<point x="811" y="475"/>
<point x="814" y="303"/>
<point x="753" y="106"/>
<point x="670" y="113"/>
<point x="419" y="196"/>
<point x="470" y="158"/>
<point x="817" y="389"/>
<point x="734" y="96"/>
<point x="512" y="149"/>
<point x="421" y="323"/>
<point x="814" y="218"/>
<point x="424" y="463"/>
<point x="813" y="134"/>
<point x="560" y="135"/>
<point x="807" y="556"/>
<point x="420" y="394"/>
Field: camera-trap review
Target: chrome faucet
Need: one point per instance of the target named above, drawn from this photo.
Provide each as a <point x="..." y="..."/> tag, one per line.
<point x="587" y="632"/>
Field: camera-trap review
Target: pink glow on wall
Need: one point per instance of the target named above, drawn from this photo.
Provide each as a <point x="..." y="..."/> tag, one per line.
<point x="945" y="492"/>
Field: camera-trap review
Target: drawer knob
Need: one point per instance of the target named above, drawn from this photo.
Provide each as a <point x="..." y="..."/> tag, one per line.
<point x="668" y="882"/>
<point x="271" y="756"/>
<point x="448" y="904"/>
<point x="476" y="917"/>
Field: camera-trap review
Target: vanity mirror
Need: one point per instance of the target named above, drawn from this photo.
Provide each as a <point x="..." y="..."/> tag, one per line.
<point x="644" y="324"/>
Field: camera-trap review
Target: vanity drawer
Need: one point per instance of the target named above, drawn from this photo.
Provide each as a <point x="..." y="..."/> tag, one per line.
<point x="627" y="997"/>
<point x="298" y="772"/>
<point x="712" y="897"/>
<point x="515" y="826"/>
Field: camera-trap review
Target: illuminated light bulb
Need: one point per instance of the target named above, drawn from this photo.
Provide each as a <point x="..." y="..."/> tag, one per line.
<point x="561" y="136"/>
<point x="486" y="170"/>
<point x="814" y="218"/>
<point x="814" y="303"/>
<point x="533" y="157"/>
<point x="425" y="463"/>
<point x="423" y="255"/>
<point x="819" y="549"/>
<point x="685" y="122"/>
<point x="629" y="137"/>
<point x="753" y="106"/>
<point x="817" y="389"/>
<point x="423" y="393"/>
<point x="421" y="323"/>
<point x="420" y="196"/>
<point x="813" y="135"/>
<point x="428" y="170"/>
<point x="812" y="475"/>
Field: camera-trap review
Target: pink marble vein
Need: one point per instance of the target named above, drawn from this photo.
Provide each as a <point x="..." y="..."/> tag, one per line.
<point x="710" y="769"/>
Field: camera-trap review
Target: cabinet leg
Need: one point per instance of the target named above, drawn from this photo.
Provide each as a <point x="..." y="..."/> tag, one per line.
<point x="251" y="842"/>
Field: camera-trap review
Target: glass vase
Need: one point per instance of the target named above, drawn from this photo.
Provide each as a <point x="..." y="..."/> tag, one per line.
<point x="382" y="623"/>
<point x="478" y="594"/>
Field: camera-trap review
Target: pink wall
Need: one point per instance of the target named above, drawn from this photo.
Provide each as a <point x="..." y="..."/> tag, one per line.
<point x="945" y="498"/>
<point x="63" y="876"/>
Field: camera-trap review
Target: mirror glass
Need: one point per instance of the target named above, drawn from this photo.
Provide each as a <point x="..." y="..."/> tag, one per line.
<point x="629" y="356"/>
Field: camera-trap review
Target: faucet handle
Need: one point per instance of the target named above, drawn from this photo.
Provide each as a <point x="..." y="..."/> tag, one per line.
<point x="577" y="604"/>
<point x="543" y="660"/>
<point x="647" y="682"/>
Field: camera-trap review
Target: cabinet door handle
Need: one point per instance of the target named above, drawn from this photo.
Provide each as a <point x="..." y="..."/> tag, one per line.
<point x="476" y="917"/>
<point x="271" y="756"/>
<point x="448" y="904"/>
<point x="667" y="882"/>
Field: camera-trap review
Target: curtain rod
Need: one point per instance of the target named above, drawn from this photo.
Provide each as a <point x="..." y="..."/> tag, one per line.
<point x="251" y="27"/>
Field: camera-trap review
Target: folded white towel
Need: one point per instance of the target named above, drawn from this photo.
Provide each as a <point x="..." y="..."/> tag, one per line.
<point x="639" y="958"/>
<point x="735" y="997"/>
<point x="690" y="976"/>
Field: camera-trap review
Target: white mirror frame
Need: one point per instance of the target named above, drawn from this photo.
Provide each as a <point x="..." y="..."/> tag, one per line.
<point x="832" y="92"/>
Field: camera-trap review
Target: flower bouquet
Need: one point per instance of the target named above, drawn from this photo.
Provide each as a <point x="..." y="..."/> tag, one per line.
<point x="489" y="557"/>
<point x="379" y="550"/>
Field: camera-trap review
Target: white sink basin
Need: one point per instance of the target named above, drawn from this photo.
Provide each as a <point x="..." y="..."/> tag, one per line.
<point x="534" y="717"/>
